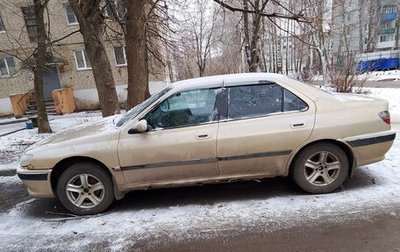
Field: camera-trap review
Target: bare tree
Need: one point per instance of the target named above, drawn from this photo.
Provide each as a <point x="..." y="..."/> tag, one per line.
<point x="342" y="67"/>
<point x="92" y="26"/>
<point x="196" y="37"/>
<point x="202" y="32"/>
<point x="253" y="11"/>
<point x="144" y="24"/>
<point x="40" y="60"/>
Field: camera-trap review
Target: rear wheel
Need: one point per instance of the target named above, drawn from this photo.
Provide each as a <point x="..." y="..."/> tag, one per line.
<point x="85" y="188"/>
<point x="320" y="168"/>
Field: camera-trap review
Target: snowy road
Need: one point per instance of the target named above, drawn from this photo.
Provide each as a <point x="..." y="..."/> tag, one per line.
<point x="272" y="215"/>
<point x="11" y="128"/>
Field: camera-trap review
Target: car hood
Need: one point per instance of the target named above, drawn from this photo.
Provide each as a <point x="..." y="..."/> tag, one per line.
<point x="85" y="130"/>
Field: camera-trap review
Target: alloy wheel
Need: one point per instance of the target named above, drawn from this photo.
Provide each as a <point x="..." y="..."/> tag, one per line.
<point x="85" y="191"/>
<point x="322" y="168"/>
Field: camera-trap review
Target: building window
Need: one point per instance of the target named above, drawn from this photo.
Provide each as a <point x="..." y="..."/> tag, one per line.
<point x="2" y="28"/>
<point x="120" y="55"/>
<point x="389" y="9"/>
<point x="7" y="66"/>
<point x="82" y="60"/>
<point x="386" y="38"/>
<point x="385" y="25"/>
<point x="71" y="17"/>
<point x="30" y="21"/>
<point x="115" y="7"/>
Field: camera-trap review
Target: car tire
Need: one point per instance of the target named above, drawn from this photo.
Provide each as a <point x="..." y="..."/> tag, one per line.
<point x="85" y="188"/>
<point x="320" y="168"/>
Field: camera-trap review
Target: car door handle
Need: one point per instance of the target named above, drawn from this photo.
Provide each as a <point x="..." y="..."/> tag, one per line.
<point x="297" y="125"/>
<point x="202" y="136"/>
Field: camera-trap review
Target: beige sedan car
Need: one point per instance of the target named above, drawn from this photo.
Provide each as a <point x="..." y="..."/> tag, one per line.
<point x="210" y="130"/>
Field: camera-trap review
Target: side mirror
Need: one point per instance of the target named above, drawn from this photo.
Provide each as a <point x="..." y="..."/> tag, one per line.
<point x="139" y="127"/>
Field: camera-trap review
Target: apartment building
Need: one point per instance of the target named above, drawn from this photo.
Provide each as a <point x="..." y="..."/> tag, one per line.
<point x="379" y="35"/>
<point x="388" y="30"/>
<point x="67" y="62"/>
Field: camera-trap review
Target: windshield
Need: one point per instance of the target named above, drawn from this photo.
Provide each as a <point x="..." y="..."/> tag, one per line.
<point x="140" y="107"/>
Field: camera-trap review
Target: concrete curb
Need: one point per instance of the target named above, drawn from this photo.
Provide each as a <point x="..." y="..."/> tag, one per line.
<point x="10" y="132"/>
<point x="14" y="121"/>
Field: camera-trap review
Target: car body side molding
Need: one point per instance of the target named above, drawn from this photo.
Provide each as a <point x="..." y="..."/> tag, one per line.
<point x="256" y="155"/>
<point x="207" y="160"/>
<point x="372" y="140"/>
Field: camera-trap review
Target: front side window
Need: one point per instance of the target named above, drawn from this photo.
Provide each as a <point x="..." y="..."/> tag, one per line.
<point x="7" y="66"/>
<point x="71" y="17"/>
<point x="188" y="108"/>
<point x="120" y="55"/>
<point x="82" y="60"/>
<point x="140" y="107"/>
<point x="260" y="100"/>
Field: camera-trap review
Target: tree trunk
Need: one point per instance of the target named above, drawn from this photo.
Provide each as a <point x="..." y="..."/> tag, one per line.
<point x="324" y="67"/>
<point x="253" y="52"/>
<point x="91" y="22"/>
<point x="136" y="50"/>
<point x="40" y="59"/>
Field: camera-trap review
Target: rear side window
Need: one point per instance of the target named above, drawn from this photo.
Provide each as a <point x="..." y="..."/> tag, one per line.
<point x="259" y="100"/>
<point x="292" y="102"/>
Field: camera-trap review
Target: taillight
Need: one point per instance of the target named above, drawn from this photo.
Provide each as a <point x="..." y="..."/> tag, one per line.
<point x="385" y="116"/>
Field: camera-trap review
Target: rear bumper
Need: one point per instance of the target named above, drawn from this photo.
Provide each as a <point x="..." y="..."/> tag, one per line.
<point x="37" y="182"/>
<point x="371" y="148"/>
<point x="374" y="139"/>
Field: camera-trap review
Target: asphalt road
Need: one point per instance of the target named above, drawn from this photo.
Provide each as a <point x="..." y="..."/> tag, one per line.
<point x="382" y="234"/>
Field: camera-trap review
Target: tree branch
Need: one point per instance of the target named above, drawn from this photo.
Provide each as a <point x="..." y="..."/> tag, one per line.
<point x="296" y="17"/>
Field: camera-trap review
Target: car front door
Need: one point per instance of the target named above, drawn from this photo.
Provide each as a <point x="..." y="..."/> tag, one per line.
<point x="264" y="123"/>
<point x="180" y="145"/>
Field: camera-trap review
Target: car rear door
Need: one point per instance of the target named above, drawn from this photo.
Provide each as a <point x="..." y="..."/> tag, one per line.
<point x="263" y="123"/>
<point x="181" y="145"/>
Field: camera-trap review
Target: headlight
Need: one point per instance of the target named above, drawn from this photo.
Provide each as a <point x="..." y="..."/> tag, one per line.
<point x="26" y="160"/>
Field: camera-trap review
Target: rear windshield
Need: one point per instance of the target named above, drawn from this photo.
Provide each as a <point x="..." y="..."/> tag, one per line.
<point x="132" y="113"/>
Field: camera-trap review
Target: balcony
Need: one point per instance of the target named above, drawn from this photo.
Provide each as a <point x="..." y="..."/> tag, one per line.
<point x="387" y="31"/>
<point x="387" y="44"/>
<point x="388" y="16"/>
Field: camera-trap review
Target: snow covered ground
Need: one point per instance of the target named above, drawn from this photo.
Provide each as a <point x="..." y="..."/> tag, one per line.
<point x="375" y="190"/>
<point x="390" y="94"/>
<point x="372" y="76"/>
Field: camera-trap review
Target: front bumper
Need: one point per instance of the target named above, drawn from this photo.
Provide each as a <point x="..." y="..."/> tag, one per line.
<point x="37" y="182"/>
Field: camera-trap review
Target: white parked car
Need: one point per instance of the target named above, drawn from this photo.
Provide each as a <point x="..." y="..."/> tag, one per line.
<point x="210" y="130"/>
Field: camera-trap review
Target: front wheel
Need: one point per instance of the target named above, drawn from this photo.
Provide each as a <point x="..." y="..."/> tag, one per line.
<point x="85" y="188"/>
<point x="320" y="168"/>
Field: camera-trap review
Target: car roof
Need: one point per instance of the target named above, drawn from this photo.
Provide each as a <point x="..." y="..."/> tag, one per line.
<point x="219" y="80"/>
<point x="249" y="78"/>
